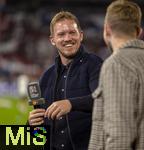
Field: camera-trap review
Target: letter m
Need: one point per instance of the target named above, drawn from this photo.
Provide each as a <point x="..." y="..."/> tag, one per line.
<point x="9" y="134"/>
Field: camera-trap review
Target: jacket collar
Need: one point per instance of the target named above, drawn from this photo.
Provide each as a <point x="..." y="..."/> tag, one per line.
<point x="78" y="56"/>
<point x="136" y="43"/>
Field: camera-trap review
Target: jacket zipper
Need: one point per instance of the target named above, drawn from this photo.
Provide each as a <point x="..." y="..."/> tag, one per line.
<point x="65" y="96"/>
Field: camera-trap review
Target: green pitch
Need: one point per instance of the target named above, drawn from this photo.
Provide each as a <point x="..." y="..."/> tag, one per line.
<point x="13" y="111"/>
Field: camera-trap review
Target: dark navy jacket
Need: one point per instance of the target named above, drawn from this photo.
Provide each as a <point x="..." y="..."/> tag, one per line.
<point x="81" y="81"/>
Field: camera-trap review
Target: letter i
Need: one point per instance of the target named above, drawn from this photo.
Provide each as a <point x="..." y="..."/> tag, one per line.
<point x="28" y="136"/>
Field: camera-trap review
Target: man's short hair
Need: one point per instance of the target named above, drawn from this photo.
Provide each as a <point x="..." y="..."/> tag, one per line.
<point x="62" y="15"/>
<point x="124" y="16"/>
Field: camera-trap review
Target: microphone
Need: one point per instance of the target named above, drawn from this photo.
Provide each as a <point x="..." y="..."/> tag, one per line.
<point x="34" y="94"/>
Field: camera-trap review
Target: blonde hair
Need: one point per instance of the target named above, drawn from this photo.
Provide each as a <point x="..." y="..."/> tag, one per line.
<point x="123" y="16"/>
<point x="62" y="15"/>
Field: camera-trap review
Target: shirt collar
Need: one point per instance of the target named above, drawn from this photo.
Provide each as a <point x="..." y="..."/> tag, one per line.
<point x="136" y="43"/>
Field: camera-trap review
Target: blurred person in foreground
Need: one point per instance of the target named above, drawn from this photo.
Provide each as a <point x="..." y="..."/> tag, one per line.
<point x="67" y="87"/>
<point x="118" y="114"/>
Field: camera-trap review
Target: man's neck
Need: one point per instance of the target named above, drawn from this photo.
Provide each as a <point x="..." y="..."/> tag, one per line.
<point x="65" y="61"/>
<point x="119" y="42"/>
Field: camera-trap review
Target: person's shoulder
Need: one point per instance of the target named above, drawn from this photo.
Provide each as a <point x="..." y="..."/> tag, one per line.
<point x="93" y="62"/>
<point x="110" y="60"/>
<point x="47" y="75"/>
<point x="114" y="62"/>
<point x="48" y="71"/>
<point x="93" y="58"/>
<point x="50" y="68"/>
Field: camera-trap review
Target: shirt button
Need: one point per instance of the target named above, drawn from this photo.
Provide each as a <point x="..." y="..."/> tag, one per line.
<point x="62" y="145"/>
<point x="62" y="131"/>
<point x="60" y="118"/>
<point x="64" y="76"/>
<point x="81" y="60"/>
<point x="62" y="90"/>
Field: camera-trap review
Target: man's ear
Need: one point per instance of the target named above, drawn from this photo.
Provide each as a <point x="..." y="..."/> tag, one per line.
<point x="52" y="40"/>
<point x="139" y="32"/>
<point x="106" y="33"/>
<point x="82" y="36"/>
<point x="107" y="30"/>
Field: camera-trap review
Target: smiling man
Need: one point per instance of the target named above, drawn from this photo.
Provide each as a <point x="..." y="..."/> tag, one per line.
<point x="67" y="87"/>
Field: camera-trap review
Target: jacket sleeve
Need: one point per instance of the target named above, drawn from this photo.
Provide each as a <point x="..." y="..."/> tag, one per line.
<point x="119" y="85"/>
<point x="85" y="103"/>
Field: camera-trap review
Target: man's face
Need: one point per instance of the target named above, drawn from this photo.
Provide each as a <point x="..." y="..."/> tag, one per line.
<point x="67" y="38"/>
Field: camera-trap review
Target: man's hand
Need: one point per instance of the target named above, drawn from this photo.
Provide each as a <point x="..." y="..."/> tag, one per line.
<point x="36" y="117"/>
<point x="58" y="109"/>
